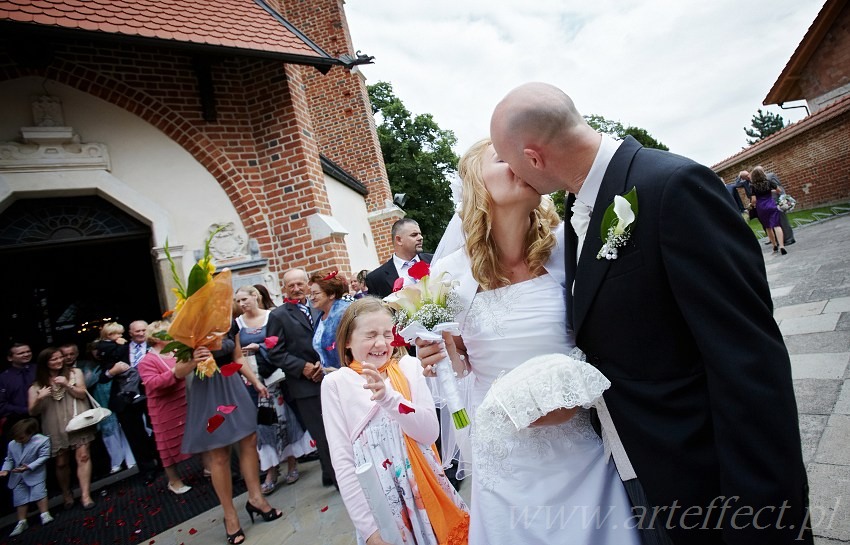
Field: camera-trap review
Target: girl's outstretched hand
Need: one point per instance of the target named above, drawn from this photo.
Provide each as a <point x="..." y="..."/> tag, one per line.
<point x="374" y="381"/>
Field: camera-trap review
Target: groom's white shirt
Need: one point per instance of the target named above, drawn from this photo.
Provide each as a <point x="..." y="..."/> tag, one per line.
<point x="590" y="188"/>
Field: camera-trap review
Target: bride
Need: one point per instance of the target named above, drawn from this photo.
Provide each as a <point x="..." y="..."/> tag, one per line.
<point x="549" y="482"/>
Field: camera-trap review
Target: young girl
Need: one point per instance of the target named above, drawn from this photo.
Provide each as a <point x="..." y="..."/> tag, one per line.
<point x="377" y="408"/>
<point x="24" y="465"/>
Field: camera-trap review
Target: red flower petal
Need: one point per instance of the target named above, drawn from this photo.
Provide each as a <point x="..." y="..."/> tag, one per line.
<point x="419" y="269"/>
<point x="332" y="347"/>
<point x="398" y="284"/>
<point x="404" y="409"/>
<point x="398" y="340"/>
<point x="323" y="509"/>
<point x="226" y="409"/>
<point x="270" y="342"/>
<point x="312" y="443"/>
<point x="386" y="463"/>
<point x="214" y="422"/>
<point x="230" y="369"/>
<point x="192" y="531"/>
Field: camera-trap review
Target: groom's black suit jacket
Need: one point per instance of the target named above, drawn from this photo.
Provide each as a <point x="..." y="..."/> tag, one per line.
<point x="380" y="281"/>
<point x="681" y="323"/>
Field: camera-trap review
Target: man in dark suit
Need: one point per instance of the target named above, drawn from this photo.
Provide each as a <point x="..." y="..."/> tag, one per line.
<point x="407" y="250"/>
<point x="293" y="324"/>
<point x="710" y="427"/>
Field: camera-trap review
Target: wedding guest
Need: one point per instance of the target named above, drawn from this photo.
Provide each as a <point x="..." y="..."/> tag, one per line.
<point x="25" y="466"/>
<point x="293" y="324"/>
<point x="279" y="435"/>
<point x="205" y="396"/>
<point x="266" y="300"/>
<point x="54" y="395"/>
<point x="326" y="292"/>
<point x="15" y="382"/>
<point x="125" y="398"/>
<point x="166" y="404"/>
<point x="378" y="409"/>
<point x="111" y="434"/>
<point x="357" y="287"/>
<point x="768" y="213"/>
<point x="407" y="250"/>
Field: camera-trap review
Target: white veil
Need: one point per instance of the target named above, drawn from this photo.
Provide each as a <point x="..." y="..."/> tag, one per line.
<point x="454" y="444"/>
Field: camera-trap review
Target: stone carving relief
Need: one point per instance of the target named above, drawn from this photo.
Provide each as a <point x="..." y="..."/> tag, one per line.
<point x="227" y="245"/>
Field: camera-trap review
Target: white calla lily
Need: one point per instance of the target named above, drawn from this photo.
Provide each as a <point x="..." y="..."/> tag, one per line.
<point x="625" y="215"/>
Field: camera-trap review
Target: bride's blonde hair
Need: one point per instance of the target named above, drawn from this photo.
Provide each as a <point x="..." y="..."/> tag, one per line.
<point x="477" y="225"/>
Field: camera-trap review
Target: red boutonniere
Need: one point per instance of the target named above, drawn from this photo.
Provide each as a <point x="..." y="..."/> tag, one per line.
<point x="419" y="269"/>
<point x="270" y="342"/>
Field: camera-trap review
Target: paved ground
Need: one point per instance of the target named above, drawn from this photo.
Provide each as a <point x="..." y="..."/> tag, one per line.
<point x="811" y="291"/>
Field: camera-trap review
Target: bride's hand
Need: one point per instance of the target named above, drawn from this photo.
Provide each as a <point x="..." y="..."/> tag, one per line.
<point x="554" y="418"/>
<point x="430" y="353"/>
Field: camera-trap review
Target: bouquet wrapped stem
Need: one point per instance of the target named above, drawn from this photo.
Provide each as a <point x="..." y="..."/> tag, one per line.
<point x="444" y="370"/>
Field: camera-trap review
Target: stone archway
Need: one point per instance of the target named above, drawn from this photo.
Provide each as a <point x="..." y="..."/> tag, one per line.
<point x="69" y="264"/>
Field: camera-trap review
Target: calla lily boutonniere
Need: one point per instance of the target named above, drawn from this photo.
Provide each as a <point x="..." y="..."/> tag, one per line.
<point x="617" y="223"/>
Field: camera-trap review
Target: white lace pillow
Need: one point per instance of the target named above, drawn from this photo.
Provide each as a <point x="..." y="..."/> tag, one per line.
<point x="537" y="387"/>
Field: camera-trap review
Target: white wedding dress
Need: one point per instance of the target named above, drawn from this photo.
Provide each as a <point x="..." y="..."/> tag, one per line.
<point x="548" y="484"/>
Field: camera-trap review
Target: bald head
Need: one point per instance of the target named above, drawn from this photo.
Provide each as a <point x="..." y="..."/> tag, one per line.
<point x="534" y="113"/>
<point x="539" y="132"/>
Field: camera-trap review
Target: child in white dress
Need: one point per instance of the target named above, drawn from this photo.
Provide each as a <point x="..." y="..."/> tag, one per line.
<point x="378" y="409"/>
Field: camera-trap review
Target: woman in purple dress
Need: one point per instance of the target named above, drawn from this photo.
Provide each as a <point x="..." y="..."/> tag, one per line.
<point x="766" y="209"/>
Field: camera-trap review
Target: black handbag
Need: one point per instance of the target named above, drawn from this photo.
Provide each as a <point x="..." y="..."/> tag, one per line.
<point x="266" y="414"/>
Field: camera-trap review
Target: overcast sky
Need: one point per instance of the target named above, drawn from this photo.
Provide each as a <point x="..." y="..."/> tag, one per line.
<point x="691" y="73"/>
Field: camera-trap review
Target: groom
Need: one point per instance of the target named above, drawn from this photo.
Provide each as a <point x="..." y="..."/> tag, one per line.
<point x="710" y="426"/>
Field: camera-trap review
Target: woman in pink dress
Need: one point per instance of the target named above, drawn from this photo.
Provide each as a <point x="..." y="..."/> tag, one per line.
<point x="166" y="404"/>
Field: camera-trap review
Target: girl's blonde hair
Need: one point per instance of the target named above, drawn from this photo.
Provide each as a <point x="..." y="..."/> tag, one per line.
<point x="477" y="225"/>
<point x="348" y="322"/>
<point x="111" y="328"/>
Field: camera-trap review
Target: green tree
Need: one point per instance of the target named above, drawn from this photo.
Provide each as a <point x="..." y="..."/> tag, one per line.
<point x="764" y="124"/>
<point x="418" y="156"/>
<point x="615" y="129"/>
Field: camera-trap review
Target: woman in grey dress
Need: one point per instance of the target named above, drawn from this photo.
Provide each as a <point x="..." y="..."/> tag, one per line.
<point x="223" y="403"/>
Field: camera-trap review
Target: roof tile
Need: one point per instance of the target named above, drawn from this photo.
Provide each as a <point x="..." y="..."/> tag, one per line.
<point x="233" y="23"/>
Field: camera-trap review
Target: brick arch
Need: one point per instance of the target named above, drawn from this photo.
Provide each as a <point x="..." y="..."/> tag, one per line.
<point x="167" y="120"/>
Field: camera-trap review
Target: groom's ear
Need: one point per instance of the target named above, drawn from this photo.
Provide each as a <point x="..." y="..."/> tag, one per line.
<point x="533" y="157"/>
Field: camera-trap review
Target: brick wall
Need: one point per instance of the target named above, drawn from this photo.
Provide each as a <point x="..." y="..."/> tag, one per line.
<point x="827" y="68"/>
<point x="261" y="148"/>
<point x="813" y="164"/>
<point x="339" y="104"/>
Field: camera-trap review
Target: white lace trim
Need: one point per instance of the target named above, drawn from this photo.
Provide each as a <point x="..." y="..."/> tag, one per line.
<point x="521" y="396"/>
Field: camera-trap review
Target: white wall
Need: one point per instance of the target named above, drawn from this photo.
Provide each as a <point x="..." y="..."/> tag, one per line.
<point x="152" y="177"/>
<point x="349" y="208"/>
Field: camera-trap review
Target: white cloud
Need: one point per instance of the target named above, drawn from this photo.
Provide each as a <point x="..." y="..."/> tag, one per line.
<point x="692" y="74"/>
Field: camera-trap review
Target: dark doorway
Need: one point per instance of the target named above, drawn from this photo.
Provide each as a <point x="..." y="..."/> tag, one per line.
<point x="68" y="265"/>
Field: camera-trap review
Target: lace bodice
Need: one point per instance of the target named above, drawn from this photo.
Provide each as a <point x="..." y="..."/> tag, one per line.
<point x="507" y="326"/>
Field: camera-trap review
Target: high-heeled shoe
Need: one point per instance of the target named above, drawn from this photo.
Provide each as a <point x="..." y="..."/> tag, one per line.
<point x="783" y="251"/>
<point x="231" y="538"/>
<point x="268" y="516"/>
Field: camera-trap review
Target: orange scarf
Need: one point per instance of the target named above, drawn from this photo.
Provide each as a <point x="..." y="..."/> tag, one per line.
<point x="450" y="522"/>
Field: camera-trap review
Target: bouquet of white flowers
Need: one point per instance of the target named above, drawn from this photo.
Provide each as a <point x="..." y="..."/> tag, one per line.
<point x="786" y="202"/>
<point x="424" y="310"/>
